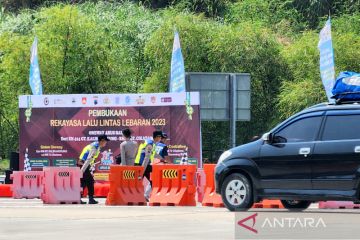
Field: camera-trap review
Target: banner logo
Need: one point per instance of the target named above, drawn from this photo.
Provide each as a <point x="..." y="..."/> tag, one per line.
<point x="106" y="100"/>
<point x="153" y="99"/>
<point x="46" y="101"/>
<point x="96" y="100"/>
<point x="59" y="101"/>
<point x="127" y="100"/>
<point x="166" y="99"/>
<point x="140" y="100"/>
<point x="83" y="100"/>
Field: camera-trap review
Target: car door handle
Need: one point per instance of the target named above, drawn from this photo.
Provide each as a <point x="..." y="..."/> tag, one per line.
<point x="304" y="151"/>
<point x="357" y="149"/>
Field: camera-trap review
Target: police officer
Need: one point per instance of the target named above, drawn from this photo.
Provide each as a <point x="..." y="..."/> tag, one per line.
<point x="145" y="157"/>
<point x="128" y="149"/>
<point x="162" y="149"/>
<point x="86" y="161"/>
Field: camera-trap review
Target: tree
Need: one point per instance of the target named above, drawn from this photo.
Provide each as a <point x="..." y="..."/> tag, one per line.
<point x="195" y="34"/>
<point x="250" y="48"/>
<point x="220" y="48"/>
<point x="77" y="53"/>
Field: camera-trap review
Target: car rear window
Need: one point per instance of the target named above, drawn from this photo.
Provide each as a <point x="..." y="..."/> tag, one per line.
<point x="342" y="127"/>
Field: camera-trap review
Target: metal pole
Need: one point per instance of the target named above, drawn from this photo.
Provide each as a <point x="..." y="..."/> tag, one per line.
<point x="233" y="109"/>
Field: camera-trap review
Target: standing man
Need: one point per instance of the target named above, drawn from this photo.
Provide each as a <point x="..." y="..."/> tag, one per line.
<point x="162" y="149"/>
<point x="145" y="157"/>
<point x="128" y="149"/>
<point x="86" y="161"/>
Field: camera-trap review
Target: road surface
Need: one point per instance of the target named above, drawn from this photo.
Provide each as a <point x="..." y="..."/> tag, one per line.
<point x="30" y="219"/>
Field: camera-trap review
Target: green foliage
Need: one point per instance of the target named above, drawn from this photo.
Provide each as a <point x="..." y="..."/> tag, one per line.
<point x="249" y="10"/>
<point x="117" y="46"/>
<point x="211" y="8"/>
<point x="95" y="48"/>
<point x="349" y="23"/>
<point x="84" y="58"/>
<point x="131" y="26"/>
<point x="195" y="34"/>
<point x="311" y="11"/>
<point x="272" y="14"/>
<point x="220" y="48"/>
<point x="4" y="164"/>
<point x="286" y="16"/>
<point x="21" y="24"/>
<point x="255" y="50"/>
<point x="303" y="87"/>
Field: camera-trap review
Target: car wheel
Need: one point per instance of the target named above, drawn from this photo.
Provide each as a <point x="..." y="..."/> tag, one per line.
<point x="236" y="192"/>
<point x="295" y="205"/>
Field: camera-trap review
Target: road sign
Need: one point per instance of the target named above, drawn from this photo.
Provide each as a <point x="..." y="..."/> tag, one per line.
<point x="223" y="97"/>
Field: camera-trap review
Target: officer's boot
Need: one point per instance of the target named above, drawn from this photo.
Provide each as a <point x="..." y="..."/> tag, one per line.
<point x="92" y="200"/>
<point x="81" y="201"/>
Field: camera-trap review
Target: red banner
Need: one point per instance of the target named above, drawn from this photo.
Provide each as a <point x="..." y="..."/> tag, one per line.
<point x="55" y="128"/>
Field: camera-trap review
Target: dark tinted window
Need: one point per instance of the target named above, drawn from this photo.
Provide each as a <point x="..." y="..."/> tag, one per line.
<point x="342" y="127"/>
<point x="304" y="130"/>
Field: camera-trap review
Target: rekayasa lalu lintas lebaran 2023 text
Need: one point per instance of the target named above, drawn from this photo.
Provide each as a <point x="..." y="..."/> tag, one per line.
<point x="107" y="122"/>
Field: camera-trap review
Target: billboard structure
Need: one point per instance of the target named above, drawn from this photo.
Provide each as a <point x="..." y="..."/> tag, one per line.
<point x="55" y="128"/>
<point x="223" y="97"/>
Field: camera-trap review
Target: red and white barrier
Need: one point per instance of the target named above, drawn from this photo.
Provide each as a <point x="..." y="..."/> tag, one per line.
<point x="338" y="205"/>
<point x="61" y="185"/>
<point x="26" y="184"/>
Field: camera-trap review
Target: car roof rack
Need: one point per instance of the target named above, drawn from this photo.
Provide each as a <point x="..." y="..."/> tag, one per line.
<point x="320" y="105"/>
<point x="341" y="98"/>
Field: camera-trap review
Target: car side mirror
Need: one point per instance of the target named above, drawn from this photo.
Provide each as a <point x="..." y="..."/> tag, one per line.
<point x="279" y="139"/>
<point x="267" y="137"/>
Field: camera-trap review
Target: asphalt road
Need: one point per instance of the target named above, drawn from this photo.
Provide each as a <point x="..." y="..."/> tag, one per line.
<point x="30" y="219"/>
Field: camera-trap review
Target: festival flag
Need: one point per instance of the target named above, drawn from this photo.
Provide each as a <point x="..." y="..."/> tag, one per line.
<point x="177" y="75"/>
<point x="327" y="64"/>
<point x="34" y="78"/>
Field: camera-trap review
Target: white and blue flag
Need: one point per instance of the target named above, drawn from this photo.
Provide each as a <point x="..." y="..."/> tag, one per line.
<point x="34" y="78"/>
<point x="177" y="75"/>
<point x="327" y="64"/>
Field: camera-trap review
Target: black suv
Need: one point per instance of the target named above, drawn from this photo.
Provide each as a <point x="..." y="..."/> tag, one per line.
<point x="312" y="156"/>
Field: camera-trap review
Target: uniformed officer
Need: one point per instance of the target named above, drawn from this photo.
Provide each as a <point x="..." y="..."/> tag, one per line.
<point x="145" y="157"/>
<point x="86" y="161"/>
<point x="162" y="149"/>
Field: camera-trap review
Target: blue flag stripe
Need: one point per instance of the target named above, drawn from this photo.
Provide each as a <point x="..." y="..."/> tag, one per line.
<point x="327" y="64"/>
<point x="177" y="75"/>
<point x="34" y="77"/>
